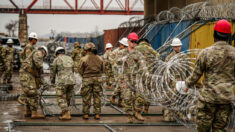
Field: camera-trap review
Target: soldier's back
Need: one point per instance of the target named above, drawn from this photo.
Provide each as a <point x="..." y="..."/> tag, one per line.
<point x="218" y="64"/>
<point x="64" y="66"/>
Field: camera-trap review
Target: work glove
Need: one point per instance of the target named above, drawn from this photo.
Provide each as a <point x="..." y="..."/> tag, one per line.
<point x="181" y="87"/>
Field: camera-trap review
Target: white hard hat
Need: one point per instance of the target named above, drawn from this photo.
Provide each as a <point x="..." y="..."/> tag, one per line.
<point x="43" y="47"/>
<point x="124" y="42"/>
<point x="108" y="45"/>
<point x="10" y="41"/>
<point x="33" y="35"/>
<point x="59" y="48"/>
<point x="176" y="42"/>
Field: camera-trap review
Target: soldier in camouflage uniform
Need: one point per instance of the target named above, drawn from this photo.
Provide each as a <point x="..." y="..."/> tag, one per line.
<point x="150" y="56"/>
<point x="32" y="81"/>
<point x="8" y="55"/>
<point x="108" y="65"/>
<point x="117" y="66"/>
<point x="176" y="45"/>
<point x="23" y="55"/>
<point x="91" y="68"/>
<point x="217" y="64"/>
<point x="133" y="63"/>
<point x="2" y="65"/>
<point x="62" y="67"/>
<point x="76" y="55"/>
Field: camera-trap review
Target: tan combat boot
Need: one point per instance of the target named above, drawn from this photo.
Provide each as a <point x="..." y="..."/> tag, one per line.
<point x="27" y="112"/>
<point x="120" y="103"/>
<point x="146" y="109"/>
<point x="139" y="116"/>
<point x="85" y="117"/>
<point x="36" y="115"/>
<point x="97" y="117"/>
<point x="112" y="100"/>
<point x="129" y="118"/>
<point x="108" y="87"/>
<point x="65" y="116"/>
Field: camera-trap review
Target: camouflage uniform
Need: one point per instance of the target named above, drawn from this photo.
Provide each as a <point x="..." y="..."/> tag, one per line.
<point x="2" y="65"/>
<point x="133" y="62"/>
<point x="217" y="63"/>
<point x="150" y="55"/>
<point x="76" y="55"/>
<point x="24" y="53"/>
<point x="8" y="54"/>
<point x="62" y="67"/>
<point x="31" y="79"/>
<point x="108" y="68"/>
<point x="116" y="66"/>
<point x="167" y="113"/>
<point x="91" y="68"/>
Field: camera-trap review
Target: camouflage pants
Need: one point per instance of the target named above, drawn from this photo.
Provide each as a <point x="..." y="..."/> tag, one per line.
<point x="168" y="115"/>
<point x="2" y="67"/>
<point x="109" y="80"/>
<point x="109" y="74"/>
<point x="21" y="76"/>
<point x="133" y="101"/>
<point x="8" y="72"/>
<point x="91" y="87"/>
<point x="30" y="91"/>
<point x="76" y="66"/>
<point x="118" y="90"/>
<point x="65" y="94"/>
<point x="213" y="116"/>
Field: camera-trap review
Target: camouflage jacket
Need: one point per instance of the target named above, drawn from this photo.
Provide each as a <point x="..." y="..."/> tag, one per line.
<point x="217" y="63"/>
<point x="8" y="54"/>
<point x="181" y="58"/>
<point x="113" y="56"/>
<point x="91" y="65"/>
<point x="62" y="67"/>
<point x="107" y="55"/>
<point x="132" y="63"/>
<point x="1" y="57"/>
<point x="150" y="55"/>
<point x="33" y="64"/>
<point x="26" y="52"/>
<point x="169" y="56"/>
<point x="77" y="54"/>
<point x="107" y="61"/>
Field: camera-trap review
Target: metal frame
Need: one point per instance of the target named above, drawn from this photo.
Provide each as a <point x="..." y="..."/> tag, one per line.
<point x="106" y="125"/>
<point x="124" y="8"/>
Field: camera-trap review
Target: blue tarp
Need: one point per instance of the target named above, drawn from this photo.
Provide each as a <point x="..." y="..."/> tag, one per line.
<point x="165" y="31"/>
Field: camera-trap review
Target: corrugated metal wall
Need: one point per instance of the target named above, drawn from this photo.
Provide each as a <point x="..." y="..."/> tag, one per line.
<point x="203" y="37"/>
<point x="160" y="33"/>
<point x="114" y="35"/>
<point x="200" y="39"/>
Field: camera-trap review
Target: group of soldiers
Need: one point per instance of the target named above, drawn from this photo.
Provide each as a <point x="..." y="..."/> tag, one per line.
<point x="6" y="61"/>
<point x="121" y="67"/>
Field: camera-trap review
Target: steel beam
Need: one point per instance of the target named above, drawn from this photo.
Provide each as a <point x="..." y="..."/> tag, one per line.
<point x="68" y="4"/>
<point x="99" y="9"/>
<point x="54" y="11"/>
<point x="13" y="3"/>
<point x="30" y="6"/>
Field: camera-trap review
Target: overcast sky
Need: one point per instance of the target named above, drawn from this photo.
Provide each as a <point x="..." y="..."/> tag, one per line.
<point x="42" y="24"/>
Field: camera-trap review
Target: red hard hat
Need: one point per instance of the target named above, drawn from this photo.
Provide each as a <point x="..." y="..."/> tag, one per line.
<point x="223" y="26"/>
<point x="133" y="36"/>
